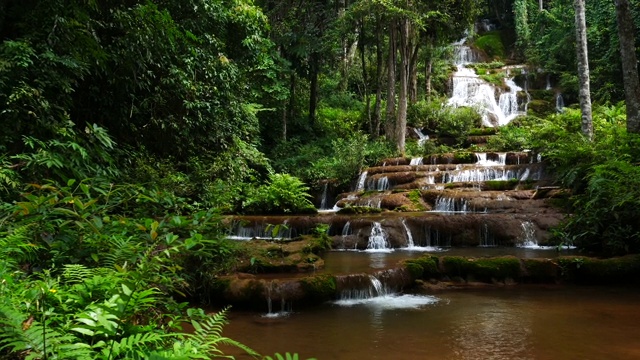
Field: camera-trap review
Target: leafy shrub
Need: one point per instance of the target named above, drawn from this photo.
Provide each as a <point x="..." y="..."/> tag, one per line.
<point x="491" y="44"/>
<point x="426" y="114"/>
<point x="283" y="194"/>
<point x="458" y="122"/>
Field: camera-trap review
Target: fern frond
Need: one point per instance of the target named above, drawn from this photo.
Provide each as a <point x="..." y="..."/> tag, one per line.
<point x="135" y="344"/>
<point x="17" y="245"/>
<point x="208" y="334"/>
<point x="121" y="250"/>
<point x="76" y="273"/>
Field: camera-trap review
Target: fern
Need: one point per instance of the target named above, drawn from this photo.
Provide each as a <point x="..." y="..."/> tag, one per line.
<point x="121" y="250"/>
<point x="16" y="245"/>
<point x="132" y="346"/>
<point x="208" y="334"/>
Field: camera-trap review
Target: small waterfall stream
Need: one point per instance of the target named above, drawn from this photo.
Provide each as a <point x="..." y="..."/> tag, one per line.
<point x="378" y="239"/>
<point x="468" y="89"/>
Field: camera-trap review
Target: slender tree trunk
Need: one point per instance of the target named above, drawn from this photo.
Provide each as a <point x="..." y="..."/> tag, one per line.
<point x="583" y="69"/>
<point x="365" y="78"/>
<point x="313" y="96"/>
<point x="541" y="4"/>
<point x="428" y="68"/>
<point x="626" y="30"/>
<point x="405" y="59"/>
<point x="379" y="78"/>
<point x="390" y="124"/>
<point x="291" y="107"/>
<point x="413" y="73"/>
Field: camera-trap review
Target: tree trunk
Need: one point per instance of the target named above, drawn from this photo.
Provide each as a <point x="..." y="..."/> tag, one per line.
<point x="428" y="68"/>
<point x="390" y="124"/>
<point x="405" y="59"/>
<point x="292" y="102"/>
<point x="379" y="74"/>
<point x="413" y="73"/>
<point x="583" y="69"/>
<point x="313" y="96"/>
<point x="626" y="30"/>
<point x="365" y="79"/>
<point x="541" y="4"/>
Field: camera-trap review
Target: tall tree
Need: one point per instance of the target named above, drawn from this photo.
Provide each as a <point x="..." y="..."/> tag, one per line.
<point x="583" y="68"/>
<point x="626" y="30"/>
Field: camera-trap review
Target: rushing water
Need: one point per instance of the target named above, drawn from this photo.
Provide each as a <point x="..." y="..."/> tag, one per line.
<point x="511" y="323"/>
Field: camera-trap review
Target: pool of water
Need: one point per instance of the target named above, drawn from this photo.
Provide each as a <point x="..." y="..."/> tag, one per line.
<point x="522" y="322"/>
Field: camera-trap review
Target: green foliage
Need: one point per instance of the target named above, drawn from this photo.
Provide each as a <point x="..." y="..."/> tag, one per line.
<point x="426" y="114"/>
<point x="491" y="44"/>
<point x="458" y="122"/>
<point x="283" y="194"/>
<point x="286" y="356"/>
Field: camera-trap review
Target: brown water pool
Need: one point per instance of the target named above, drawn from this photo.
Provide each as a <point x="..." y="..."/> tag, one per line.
<point x="521" y="322"/>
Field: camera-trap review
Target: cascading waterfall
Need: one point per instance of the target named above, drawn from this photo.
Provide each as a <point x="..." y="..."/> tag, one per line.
<point x="470" y="90"/>
<point x="410" y="243"/>
<point x="486" y="237"/>
<point x="416" y="161"/>
<point x="379" y="290"/>
<point x="422" y="138"/>
<point x="528" y="235"/>
<point x="451" y="205"/>
<point x="379" y="184"/>
<point x="487" y="174"/>
<point x="323" y="202"/>
<point x="378" y="239"/>
<point x="260" y="231"/>
<point x="361" y="181"/>
<point x="483" y="161"/>
<point x="559" y="103"/>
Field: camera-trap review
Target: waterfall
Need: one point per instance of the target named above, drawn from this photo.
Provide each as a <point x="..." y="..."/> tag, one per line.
<point x="548" y="87"/>
<point x="486" y="238"/>
<point x="481" y="159"/>
<point x="346" y="230"/>
<point x="379" y="290"/>
<point x="528" y="235"/>
<point x="240" y="231"/>
<point x="323" y="202"/>
<point x="422" y="138"/>
<point x="361" y="181"/>
<point x="470" y="90"/>
<point x="483" y="174"/>
<point x="410" y="243"/>
<point x="378" y="239"/>
<point x="451" y="205"/>
<point x="380" y="184"/>
<point x="559" y="103"/>
<point x="416" y="161"/>
<point x="272" y="291"/>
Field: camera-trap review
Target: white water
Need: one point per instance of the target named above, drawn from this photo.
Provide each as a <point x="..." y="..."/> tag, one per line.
<point x="410" y="243"/>
<point x="382" y="297"/>
<point x="361" y="181"/>
<point x="482" y="160"/>
<point x="472" y="91"/>
<point x="451" y="205"/>
<point x="487" y="174"/>
<point x="422" y="138"/>
<point x="416" y="161"/>
<point x="559" y="103"/>
<point x="323" y="202"/>
<point x="378" y="239"/>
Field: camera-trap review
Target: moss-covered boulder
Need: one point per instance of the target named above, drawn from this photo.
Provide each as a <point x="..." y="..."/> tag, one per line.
<point x="541" y="108"/>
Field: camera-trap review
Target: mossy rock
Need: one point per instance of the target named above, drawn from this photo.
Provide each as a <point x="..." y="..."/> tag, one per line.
<point x="483" y="269"/>
<point x="425" y="267"/>
<point x="500" y="185"/>
<point x="541" y="270"/>
<point x="358" y="210"/>
<point x="541" y="108"/>
<point x="545" y="95"/>
<point x="491" y="44"/>
<point x="585" y="270"/>
<point x="464" y="157"/>
<point x="319" y="288"/>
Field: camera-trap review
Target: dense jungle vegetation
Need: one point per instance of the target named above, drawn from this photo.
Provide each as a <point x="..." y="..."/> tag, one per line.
<point x="128" y="128"/>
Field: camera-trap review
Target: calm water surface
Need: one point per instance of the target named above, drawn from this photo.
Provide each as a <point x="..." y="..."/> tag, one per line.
<point x="510" y="323"/>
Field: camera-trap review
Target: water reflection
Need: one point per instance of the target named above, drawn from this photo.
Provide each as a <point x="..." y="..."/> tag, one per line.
<point x="492" y="329"/>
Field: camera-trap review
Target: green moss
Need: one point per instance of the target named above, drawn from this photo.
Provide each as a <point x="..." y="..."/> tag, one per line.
<point x="319" y="288"/>
<point x="491" y="44"/>
<point x="463" y="157"/>
<point x="586" y="270"/>
<point x="415" y="196"/>
<point x="501" y="185"/>
<point x="485" y="269"/>
<point x="483" y="131"/>
<point x="424" y="267"/>
<point x="541" y="108"/>
<point x="541" y="270"/>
